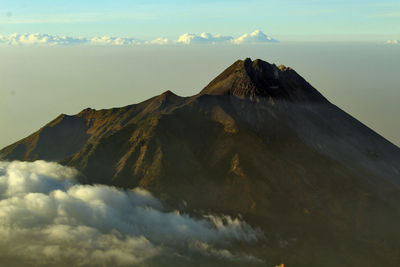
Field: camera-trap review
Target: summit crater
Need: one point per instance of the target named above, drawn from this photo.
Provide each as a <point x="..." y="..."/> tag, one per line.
<point x="260" y="79"/>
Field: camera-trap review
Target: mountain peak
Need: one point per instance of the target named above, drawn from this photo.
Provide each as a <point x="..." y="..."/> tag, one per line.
<point x="260" y="79"/>
<point x="169" y="96"/>
<point x="168" y="93"/>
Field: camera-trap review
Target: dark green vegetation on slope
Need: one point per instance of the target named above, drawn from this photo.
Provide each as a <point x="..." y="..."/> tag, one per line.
<point x="259" y="141"/>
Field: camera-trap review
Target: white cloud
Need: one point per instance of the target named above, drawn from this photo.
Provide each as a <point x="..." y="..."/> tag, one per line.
<point x="159" y="41"/>
<point x="52" y="40"/>
<point x="255" y="37"/>
<point x="393" y="41"/>
<point x="204" y="38"/>
<point x="187" y="38"/>
<point x="107" y="40"/>
<point x="40" y="39"/>
<point x="49" y="219"/>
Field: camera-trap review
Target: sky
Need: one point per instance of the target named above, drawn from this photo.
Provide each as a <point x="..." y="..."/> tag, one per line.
<point x="286" y="20"/>
<point x="55" y="59"/>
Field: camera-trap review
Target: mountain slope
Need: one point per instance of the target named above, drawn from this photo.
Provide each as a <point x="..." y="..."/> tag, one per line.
<point x="259" y="141"/>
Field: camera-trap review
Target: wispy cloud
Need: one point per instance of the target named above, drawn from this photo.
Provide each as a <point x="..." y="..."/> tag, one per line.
<point x="316" y="11"/>
<point x="73" y="18"/>
<point x="387" y="15"/>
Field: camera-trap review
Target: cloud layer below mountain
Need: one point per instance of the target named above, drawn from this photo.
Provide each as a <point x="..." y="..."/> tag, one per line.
<point x="47" y="218"/>
<point x="187" y="39"/>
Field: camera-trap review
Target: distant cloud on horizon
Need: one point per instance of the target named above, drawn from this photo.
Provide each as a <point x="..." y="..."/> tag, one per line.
<point x="393" y="41"/>
<point x="38" y="39"/>
<point x="204" y="38"/>
<point x="53" y="40"/>
<point x="158" y="41"/>
<point x="255" y="37"/>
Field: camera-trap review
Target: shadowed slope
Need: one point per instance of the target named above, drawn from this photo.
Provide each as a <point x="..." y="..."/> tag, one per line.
<point x="62" y="137"/>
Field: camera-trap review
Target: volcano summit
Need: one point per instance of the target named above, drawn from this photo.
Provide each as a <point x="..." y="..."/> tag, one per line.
<point x="258" y="141"/>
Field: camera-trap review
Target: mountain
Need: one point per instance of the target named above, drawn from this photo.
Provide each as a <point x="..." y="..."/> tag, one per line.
<point x="258" y="141"/>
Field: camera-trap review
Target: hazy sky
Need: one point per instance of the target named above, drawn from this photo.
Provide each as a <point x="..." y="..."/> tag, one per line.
<point x="337" y="45"/>
<point x="39" y="83"/>
<point x="310" y="20"/>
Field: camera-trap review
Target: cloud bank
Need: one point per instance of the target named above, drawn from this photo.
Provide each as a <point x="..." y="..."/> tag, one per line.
<point x="185" y="39"/>
<point x="49" y="219"/>
<point x="53" y="40"/>
<point x="204" y="38"/>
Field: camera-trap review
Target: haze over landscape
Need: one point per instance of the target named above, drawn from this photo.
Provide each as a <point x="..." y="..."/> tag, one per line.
<point x="199" y="133"/>
<point x="39" y="83"/>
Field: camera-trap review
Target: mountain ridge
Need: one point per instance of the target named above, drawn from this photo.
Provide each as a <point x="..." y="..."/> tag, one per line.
<point x="288" y="161"/>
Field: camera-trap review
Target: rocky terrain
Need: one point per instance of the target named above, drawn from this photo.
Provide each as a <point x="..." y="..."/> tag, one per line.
<point x="258" y="141"/>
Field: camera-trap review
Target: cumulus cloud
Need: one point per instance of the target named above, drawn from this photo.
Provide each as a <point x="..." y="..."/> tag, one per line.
<point x="159" y="41"/>
<point x="204" y="38"/>
<point x="393" y="41"/>
<point x="255" y="37"/>
<point x="107" y="40"/>
<point x="187" y="39"/>
<point x="47" y="218"/>
<point x="53" y="40"/>
<point x="40" y="39"/>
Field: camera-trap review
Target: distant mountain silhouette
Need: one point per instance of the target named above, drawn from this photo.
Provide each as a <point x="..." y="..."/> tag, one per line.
<point x="258" y="140"/>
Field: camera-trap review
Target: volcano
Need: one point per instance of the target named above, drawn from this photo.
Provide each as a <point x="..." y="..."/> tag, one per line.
<point x="258" y="141"/>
